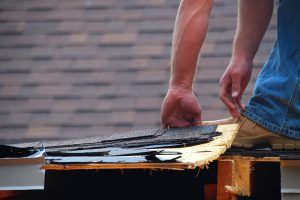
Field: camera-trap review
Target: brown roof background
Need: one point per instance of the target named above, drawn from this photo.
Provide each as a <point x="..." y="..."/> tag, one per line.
<point x="74" y="68"/>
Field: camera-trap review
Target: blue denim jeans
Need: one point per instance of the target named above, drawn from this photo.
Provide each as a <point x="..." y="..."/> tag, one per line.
<point x="275" y="104"/>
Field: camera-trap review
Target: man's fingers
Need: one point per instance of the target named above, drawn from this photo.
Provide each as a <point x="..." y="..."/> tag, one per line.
<point x="164" y="125"/>
<point x="173" y="122"/>
<point x="199" y="123"/>
<point x="231" y="106"/>
<point x="241" y="104"/>
<point x="236" y="89"/>
<point x="197" y="120"/>
<point x="226" y="98"/>
<point x="237" y="92"/>
<point x="179" y="124"/>
<point x="163" y="121"/>
<point x="237" y="100"/>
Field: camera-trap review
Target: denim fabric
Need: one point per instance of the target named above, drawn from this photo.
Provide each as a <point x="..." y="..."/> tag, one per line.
<point x="275" y="103"/>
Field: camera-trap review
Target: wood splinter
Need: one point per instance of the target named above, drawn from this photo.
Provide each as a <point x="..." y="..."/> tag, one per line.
<point x="234" y="179"/>
<point x="234" y="190"/>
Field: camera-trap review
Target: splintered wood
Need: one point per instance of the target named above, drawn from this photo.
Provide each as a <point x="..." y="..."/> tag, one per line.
<point x="234" y="179"/>
<point x="203" y="154"/>
<point x="191" y="157"/>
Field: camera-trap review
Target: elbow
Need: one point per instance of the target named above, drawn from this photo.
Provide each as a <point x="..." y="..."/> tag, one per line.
<point x="207" y="2"/>
<point x="198" y="3"/>
<point x="196" y="6"/>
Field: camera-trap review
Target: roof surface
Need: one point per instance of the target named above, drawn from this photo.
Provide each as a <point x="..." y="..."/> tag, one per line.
<point x="73" y="68"/>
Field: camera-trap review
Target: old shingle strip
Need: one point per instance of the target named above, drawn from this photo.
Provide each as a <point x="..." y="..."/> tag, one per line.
<point x="138" y="138"/>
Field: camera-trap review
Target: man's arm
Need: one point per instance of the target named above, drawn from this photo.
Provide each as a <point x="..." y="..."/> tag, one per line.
<point x="180" y="107"/>
<point x="253" y="19"/>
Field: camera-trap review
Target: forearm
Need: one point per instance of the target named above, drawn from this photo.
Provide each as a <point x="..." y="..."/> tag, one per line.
<point x="189" y="34"/>
<point x="253" y="19"/>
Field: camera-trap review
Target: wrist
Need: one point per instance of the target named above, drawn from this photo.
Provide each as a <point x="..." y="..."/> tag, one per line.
<point x="237" y="58"/>
<point x="180" y="86"/>
<point x="243" y="51"/>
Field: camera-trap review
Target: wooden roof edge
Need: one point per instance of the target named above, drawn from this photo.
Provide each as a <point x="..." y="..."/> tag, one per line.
<point x="251" y="158"/>
<point x="151" y="166"/>
<point x="92" y="166"/>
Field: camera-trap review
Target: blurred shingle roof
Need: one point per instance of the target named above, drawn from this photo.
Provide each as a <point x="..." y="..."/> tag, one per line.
<point x="72" y="68"/>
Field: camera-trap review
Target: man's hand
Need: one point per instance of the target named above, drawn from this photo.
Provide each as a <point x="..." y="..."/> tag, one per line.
<point x="250" y="30"/>
<point x="233" y="84"/>
<point x="180" y="109"/>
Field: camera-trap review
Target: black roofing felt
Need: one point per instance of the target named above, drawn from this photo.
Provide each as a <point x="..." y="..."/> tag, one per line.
<point x="135" y="146"/>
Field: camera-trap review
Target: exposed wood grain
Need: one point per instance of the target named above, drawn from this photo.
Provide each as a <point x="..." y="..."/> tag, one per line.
<point x="242" y="177"/>
<point x="203" y="154"/>
<point x="225" y="178"/>
<point x="237" y="173"/>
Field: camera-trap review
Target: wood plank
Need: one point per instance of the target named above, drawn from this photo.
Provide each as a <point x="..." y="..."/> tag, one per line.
<point x="7" y="194"/>
<point x="250" y="158"/>
<point x="290" y="163"/>
<point x="225" y="178"/>
<point x="167" y="166"/>
<point x="210" y="192"/>
<point x="242" y="177"/>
